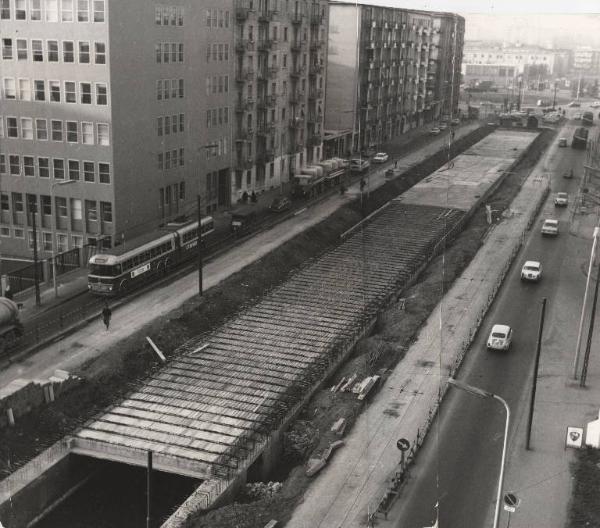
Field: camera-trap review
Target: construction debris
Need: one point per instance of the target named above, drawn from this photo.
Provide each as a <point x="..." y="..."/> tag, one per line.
<point x="339" y="427"/>
<point x="317" y="464"/>
<point x="260" y="490"/>
<point x="364" y="387"/>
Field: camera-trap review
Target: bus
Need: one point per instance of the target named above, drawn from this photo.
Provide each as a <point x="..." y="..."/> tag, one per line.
<point x="587" y="119"/>
<point x="580" y="138"/>
<point x="145" y="257"/>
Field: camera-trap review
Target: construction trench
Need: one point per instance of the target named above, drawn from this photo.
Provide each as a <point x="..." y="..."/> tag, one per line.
<point x="219" y="408"/>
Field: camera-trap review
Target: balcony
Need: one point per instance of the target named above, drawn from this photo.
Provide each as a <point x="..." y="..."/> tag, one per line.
<point x="314" y="118"/>
<point x="243" y="163"/>
<point x="315" y="94"/>
<point x="266" y="156"/>
<point x="244" y="75"/>
<point x="244" y="45"/>
<point x="244" y="134"/>
<point x="241" y="13"/>
<point x="267" y="44"/>
<point x="267" y="101"/>
<point x="273" y="71"/>
<point x="296" y="97"/>
<point x="314" y="140"/>
<point x="315" y="69"/>
<point x="244" y="105"/>
<point x="316" y="44"/>
<point x="296" y="123"/>
<point x="298" y="46"/>
<point x="296" y="17"/>
<point x="298" y="71"/>
<point x="267" y="16"/>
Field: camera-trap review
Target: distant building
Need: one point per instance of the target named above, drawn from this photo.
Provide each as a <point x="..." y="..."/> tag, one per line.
<point x="586" y="60"/>
<point x="389" y="70"/>
<point x="503" y="64"/>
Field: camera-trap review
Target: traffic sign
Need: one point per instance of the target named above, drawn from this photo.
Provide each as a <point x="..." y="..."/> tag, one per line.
<point x="403" y="444"/>
<point x="511" y="502"/>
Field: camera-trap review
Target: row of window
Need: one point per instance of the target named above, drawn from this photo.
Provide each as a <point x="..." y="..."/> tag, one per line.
<point x="171" y="159"/>
<point x="68" y="50"/>
<point x="217" y="53"/>
<point x="54" y="10"/>
<point x="43" y="167"/>
<point x="71" y="131"/>
<point x="217" y="116"/>
<point x="168" y="16"/>
<point x="169" y="89"/>
<point x="219" y="148"/>
<point x="55" y="91"/>
<point x="46" y="238"/>
<point x="217" y="18"/>
<point x="166" y="125"/>
<point x="217" y="84"/>
<point x="169" y="52"/>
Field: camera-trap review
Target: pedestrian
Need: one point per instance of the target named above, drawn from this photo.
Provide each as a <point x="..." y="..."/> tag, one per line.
<point x="106" y="315"/>
<point x="7" y="293"/>
<point x="253" y="197"/>
<point x="245" y="197"/>
<point x="396" y="164"/>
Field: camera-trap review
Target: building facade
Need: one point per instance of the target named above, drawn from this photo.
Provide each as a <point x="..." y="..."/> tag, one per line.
<point x="389" y="70"/>
<point x="280" y="71"/>
<point x="115" y="116"/>
<point x="586" y="60"/>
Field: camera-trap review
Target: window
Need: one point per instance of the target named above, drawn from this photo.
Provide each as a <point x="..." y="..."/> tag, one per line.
<point x="51" y="10"/>
<point x="173" y="52"/>
<point x="59" y="168"/>
<point x="72" y="131"/>
<point x="41" y="130"/>
<point x="28" y="166"/>
<point x="103" y="138"/>
<point x="174" y="124"/>
<point x="37" y="50"/>
<point x="76" y="209"/>
<point x="181" y="52"/>
<point x="5" y="10"/>
<point x="159" y="90"/>
<point x="9" y="89"/>
<point x="157" y="51"/>
<point x="88" y="171"/>
<point x="27" y="128"/>
<point x="159" y="126"/>
<point x="54" y="87"/>
<point x="57" y="130"/>
<point x="21" y="49"/>
<point x="67" y="10"/>
<point x="181" y="122"/>
<point x="4" y="202"/>
<point x="12" y="129"/>
<point x="100" y="48"/>
<point x="173" y="88"/>
<point x="83" y="10"/>
<point x="167" y="127"/>
<point x="101" y="94"/>
<point x="104" y="172"/>
<point x="17" y="204"/>
<point x="61" y="206"/>
<point x="52" y="50"/>
<point x="181" y="156"/>
<point x="2" y="164"/>
<point x="7" y="49"/>
<point x="160" y="162"/>
<point x="35" y="9"/>
<point x="14" y="163"/>
<point x="168" y="160"/>
<point x="180" y="16"/>
<point x="166" y="92"/>
<point x="158" y="15"/>
<point x="91" y="209"/>
<point x="174" y="158"/>
<point x="46" y="237"/>
<point x="106" y="211"/>
<point x="98" y="10"/>
<point x="24" y="90"/>
<point x="73" y="170"/>
<point x="165" y="16"/>
<point x="68" y="51"/>
<point x="226" y="52"/>
<point x="46" y="205"/>
<point x="39" y="90"/>
<point x="70" y="95"/>
<point x="181" y="88"/>
<point x="44" y="167"/>
<point x="85" y="90"/>
<point x="84" y="52"/>
<point x="87" y="133"/>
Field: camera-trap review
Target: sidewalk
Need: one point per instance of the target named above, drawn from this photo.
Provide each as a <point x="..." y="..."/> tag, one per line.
<point x="352" y="485"/>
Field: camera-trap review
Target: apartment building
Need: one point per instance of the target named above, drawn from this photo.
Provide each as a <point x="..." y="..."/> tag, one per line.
<point x="389" y="70"/>
<point x="114" y="117"/>
<point x="280" y="71"/>
<point x="586" y="60"/>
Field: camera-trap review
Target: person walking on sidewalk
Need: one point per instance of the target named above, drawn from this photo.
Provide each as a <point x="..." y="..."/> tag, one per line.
<point x="106" y="314"/>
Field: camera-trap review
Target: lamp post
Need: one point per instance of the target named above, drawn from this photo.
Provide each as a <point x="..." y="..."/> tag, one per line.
<point x="489" y="395"/>
<point x="65" y="182"/>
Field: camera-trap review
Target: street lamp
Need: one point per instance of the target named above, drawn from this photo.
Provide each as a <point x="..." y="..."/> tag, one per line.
<point x="65" y="182"/>
<point x="480" y="393"/>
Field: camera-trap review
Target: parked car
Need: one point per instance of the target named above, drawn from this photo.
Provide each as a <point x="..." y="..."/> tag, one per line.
<point x="455" y="121"/>
<point x="562" y="142"/>
<point x="392" y="173"/>
<point x="359" y="165"/>
<point x="574" y="104"/>
<point x="595" y="104"/>
<point x="550" y="227"/>
<point x="578" y="116"/>
<point x="568" y="175"/>
<point x="380" y="157"/>
<point x="281" y="203"/>
<point x="368" y="152"/>
<point x="434" y="131"/>
<point x="443" y="126"/>
<point x="531" y="271"/>
<point x="561" y="199"/>
<point x="500" y="337"/>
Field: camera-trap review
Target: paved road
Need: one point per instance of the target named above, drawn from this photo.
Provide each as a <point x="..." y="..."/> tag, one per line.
<point x="459" y="464"/>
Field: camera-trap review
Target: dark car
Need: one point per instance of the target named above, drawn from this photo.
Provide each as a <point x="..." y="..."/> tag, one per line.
<point x="281" y="203"/>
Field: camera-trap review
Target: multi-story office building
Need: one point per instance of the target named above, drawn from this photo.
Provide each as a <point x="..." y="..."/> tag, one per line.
<point x="127" y="101"/>
<point x="586" y="60"/>
<point x="389" y="70"/>
<point x="280" y="49"/>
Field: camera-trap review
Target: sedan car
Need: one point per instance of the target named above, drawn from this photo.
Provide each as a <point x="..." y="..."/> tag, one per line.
<point x="281" y="203"/>
<point x="562" y="142"/>
<point x="443" y="126"/>
<point x="595" y="104"/>
<point x="380" y="157"/>
<point x="500" y="337"/>
<point x="578" y="116"/>
<point x="434" y="131"/>
<point x="455" y="121"/>
<point x="550" y="227"/>
<point x="574" y="104"/>
<point x="561" y="199"/>
<point x="531" y="271"/>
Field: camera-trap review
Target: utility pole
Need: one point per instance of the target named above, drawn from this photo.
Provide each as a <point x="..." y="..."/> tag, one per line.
<point x="554" y="98"/>
<point x="586" y="357"/>
<point x="32" y="206"/>
<point x="149" y="491"/>
<point x="200" y="290"/>
<point x="535" y="372"/>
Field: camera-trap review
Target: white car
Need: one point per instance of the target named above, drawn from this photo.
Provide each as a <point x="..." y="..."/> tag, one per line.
<point x="500" y="337"/>
<point x="561" y="199"/>
<point x="595" y="104"/>
<point x="434" y="131"/>
<point x="578" y="116"/>
<point x="380" y="157"/>
<point x="550" y="227"/>
<point x="531" y="271"/>
<point x="562" y="142"/>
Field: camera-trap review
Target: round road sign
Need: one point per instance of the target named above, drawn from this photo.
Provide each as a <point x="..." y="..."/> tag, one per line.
<point x="403" y="444"/>
<point x="511" y="502"/>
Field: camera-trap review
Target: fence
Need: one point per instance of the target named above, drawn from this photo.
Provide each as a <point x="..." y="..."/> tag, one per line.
<point x="24" y="278"/>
